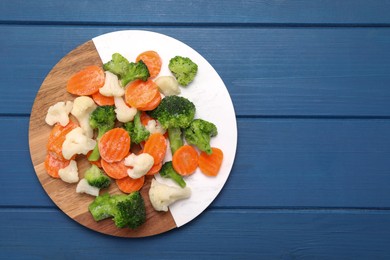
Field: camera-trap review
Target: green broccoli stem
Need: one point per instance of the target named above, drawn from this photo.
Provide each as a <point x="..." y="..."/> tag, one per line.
<point x="175" y="139"/>
<point x="178" y="179"/>
<point x="95" y="155"/>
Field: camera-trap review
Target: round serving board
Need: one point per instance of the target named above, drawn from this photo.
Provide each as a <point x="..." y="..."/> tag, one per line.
<point x="209" y="95"/>
<point x="64" y="195"/>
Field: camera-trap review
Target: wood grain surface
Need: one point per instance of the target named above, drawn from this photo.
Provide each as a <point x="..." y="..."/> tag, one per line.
<point x="63" y="194"/>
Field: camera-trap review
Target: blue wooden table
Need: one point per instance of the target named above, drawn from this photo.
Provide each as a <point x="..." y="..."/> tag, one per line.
<point x="310" y="83"/>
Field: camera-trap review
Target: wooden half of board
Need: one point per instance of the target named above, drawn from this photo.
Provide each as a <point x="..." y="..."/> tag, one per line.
<point x="63" y="194"/>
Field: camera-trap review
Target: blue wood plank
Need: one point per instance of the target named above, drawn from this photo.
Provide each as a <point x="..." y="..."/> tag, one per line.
<point x="268" y="72"/>
<point x="209" y="12"/>
<point x="279" y="163"/>
<point x="216" y="234"/>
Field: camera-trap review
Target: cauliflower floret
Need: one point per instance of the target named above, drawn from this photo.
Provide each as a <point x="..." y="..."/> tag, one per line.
<point x="70" y="173"/>
<point x="124" y="113"/>
<point x="168" y="85"/>
<point x="76" y="142"/>
<point x="59" y="113"/>
<point x="141" y="164"/>
<point x="111" y="87"/>
<point x="82" y="109"/>
<point x="84" y="187"/>
<point x="154" y="126"/>
<point x="162" y="195"/>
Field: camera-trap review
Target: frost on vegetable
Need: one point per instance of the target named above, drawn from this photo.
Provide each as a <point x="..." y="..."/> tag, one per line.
<point x="84" y="187"/>
<point x="140" y="164"/>
<point x="76" y="142"/>
<point x="59" y="113"/>
<point x="96" y="178"/>
<point x="82" y="109"/>
<point x="69" y="174"/>
<point x="124" y="113"/>
<point x="154" y="126"/>
<point x="111" y="87"/>
<point x="162" y="195"/>
<point x="168" y="85"/>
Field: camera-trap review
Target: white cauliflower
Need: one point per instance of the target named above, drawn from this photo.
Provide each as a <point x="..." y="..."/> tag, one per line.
<point x="76" y="142"/>
<point x="141" y="164"/>
<point x="59" y="113"/>
<point x="84" y="187"/>
<point x="168" y="85"/>
<point x="154" y="126"/>
<point x="111" y="87"/>
<point x="162" y="195"/>
<point x="124" y="113"/>
<point x="70" y="173"/>
<point x="82" y="109"/>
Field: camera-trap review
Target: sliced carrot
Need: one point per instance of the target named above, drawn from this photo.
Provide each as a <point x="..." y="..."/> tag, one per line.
<point x="87" y="81"/>
<point x="152" y="104"/>
<point x="210" y="164"/>
<point x="140" y="93"/>
<point x="128" y="185"/>
<point x="102" y="100"/>
<point x="156" y="146"/>
<point x="185" y="160"/>
<point x="116" y="170"/>
<point x="53" y="164"/>
<point x="152" y="60"/>
<point x="57" y="137"/>
<point x="155" y="169"/>
<point x="145" y="118"/>
<point x="114" y="145"/>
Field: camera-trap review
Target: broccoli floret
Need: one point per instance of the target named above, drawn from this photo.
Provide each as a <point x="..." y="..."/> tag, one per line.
<point x="117" y="65"/>
<point x="125" y="70"/>
<point x="130" y="212"/>
<point x="174" y="111"/>
<point x="199" y="134"/>
<point x="126" y="210"/>
<point x="137" y="70"/>
<point x="184" y="69"/>
<point x="167" y="171"/>
<point x="95" y="177"/>
<point x="103" y="119"/>
<point x="102" y="207"/>
<point x="136" y="129"/>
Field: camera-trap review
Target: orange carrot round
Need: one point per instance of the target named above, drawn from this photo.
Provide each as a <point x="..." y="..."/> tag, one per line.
<point x="152" y="104"/>
<point x="114" y="145"/>
<point x="53" y="164"/>
<point x="185" y="160"/>
<point x="116" y="170"/>
<point x="57" y="137"/>
<point x="210" y="164"/>
<point x="102" y="100"/>
<point x="152" y="60"/>
<point x="87" y="81"/>
<point x="155" y="169"/>
<point x="145" y="118"/>
<point x="129" y="185"/>
<point x="156" y="146"/>
<point x="140" y="93"/>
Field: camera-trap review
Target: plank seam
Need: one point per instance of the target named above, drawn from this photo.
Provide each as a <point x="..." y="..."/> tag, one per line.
<point x="192" y="24"/>
<point x="325" y="117"/>
<point x="309" y="117"/>
<point x="237" y="209"/>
